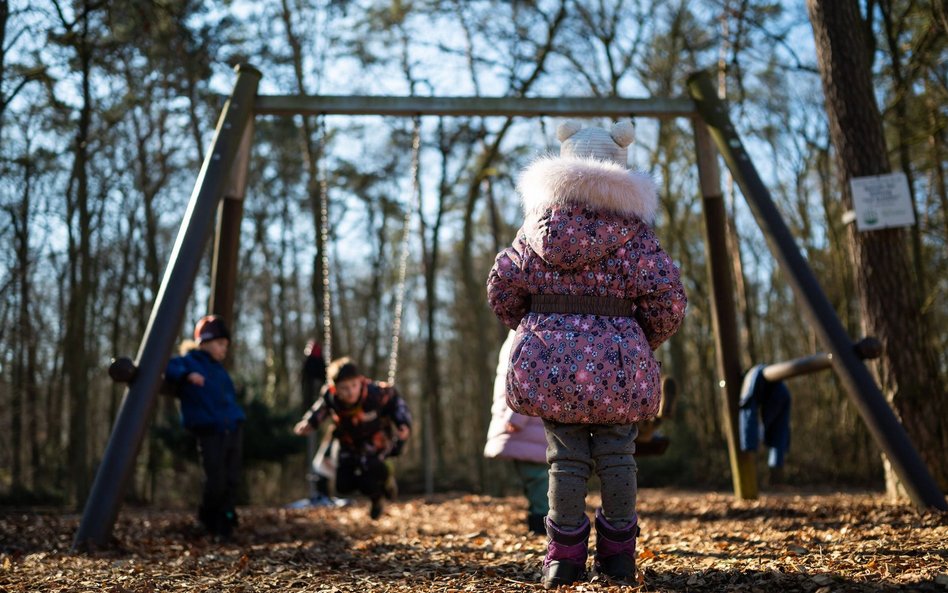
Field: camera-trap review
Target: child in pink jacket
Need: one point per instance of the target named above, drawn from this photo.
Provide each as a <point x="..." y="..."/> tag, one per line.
<point x="521" y="439"/>
<point x="591" y="294"/>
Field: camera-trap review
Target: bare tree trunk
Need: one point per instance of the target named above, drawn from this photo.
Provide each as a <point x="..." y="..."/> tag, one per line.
<point x="433" y="443"/>
<point x="4" y="18"/>
<point x="903" y="92"/>
<point x="32" y="413"/>
<point x="194" y="120"/>
<point x="54" y="473"/>
<point x="369" y="354"/>
<point x="745" y="299"/>
<point x="345" y="333"/>
<point x="473" y="294"/>
<point x="120" y="316"/>
<point x="840" y="247"/>
<point x="936" y="146"/>
<point x="7" y="377"/>
<point x="25" y="392"/>
<point x="662" y="159"/>
<point x="23" y="380"/>
<point x="266" y="280"/>
<point x="888" y="292"/>
<point x="149" y="187"/>
<point x="76" y="363"/>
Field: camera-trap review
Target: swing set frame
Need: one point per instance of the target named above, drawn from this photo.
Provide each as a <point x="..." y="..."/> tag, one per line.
<point x="216" y="205"/>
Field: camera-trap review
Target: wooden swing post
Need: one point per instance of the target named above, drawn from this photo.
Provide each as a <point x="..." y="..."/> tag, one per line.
<point x="118" y="462"/>
<point x="723" y="312"/>
<point x="868" y="399"/>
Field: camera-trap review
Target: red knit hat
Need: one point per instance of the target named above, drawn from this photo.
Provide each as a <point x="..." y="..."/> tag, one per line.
<point x="313" y="349"/>
<point x="210" y="327"/>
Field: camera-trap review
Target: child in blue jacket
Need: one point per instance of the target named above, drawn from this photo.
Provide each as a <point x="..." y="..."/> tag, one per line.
<point x="210" y="411"/>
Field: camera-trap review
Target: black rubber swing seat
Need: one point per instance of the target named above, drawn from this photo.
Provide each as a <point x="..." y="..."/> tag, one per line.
<point x="649" y="441"/>
<point x="657" y="445"/>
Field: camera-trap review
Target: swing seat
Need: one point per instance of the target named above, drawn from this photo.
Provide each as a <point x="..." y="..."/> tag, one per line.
<point x="657" y="445"/>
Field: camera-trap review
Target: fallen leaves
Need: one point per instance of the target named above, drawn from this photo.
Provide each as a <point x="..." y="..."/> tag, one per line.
<point x="690" y="542"/>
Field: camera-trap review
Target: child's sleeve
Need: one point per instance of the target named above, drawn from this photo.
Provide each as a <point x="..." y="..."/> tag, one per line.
<point x="177" y="369"/>
<point x="660" y="307"/>
<point x="318" y="412"/>
<point x="396" y="409"/>
<point x="518" y="420"/>
<point x="506" y="290"/>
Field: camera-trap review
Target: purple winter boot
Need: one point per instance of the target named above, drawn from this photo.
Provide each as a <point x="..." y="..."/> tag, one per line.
<point x="565" y="561"/>
<point x="615" y="549"/>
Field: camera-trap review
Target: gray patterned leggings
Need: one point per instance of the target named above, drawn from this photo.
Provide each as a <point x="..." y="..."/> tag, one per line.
<point x="571" y="451"/>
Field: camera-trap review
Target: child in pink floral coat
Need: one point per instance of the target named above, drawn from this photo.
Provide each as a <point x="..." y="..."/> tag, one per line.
<point x="591" y="294"/>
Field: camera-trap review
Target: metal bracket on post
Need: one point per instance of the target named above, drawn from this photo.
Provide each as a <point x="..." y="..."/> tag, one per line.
<point x="855" y="377"/>
<point x="118" y="462"/>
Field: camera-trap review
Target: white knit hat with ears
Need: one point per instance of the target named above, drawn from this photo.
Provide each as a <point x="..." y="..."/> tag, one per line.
<point x="595" y="142"/>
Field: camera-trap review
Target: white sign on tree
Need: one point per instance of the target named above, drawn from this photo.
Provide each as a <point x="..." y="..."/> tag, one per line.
<point x="882" y="201"/>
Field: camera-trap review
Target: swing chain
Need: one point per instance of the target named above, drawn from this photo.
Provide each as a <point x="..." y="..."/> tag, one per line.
<point x="414" y="201"/>
<point x="322" y="175"/>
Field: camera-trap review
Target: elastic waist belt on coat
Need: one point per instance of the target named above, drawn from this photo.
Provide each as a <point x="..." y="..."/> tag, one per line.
<point x="581" y="305"/>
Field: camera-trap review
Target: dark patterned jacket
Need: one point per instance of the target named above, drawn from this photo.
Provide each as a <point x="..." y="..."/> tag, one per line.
<point x="367" y="426"/>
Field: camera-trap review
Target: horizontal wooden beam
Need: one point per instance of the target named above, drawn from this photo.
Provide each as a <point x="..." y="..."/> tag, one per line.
<point x="473" y="106"/>
<point x="780" y="371"/>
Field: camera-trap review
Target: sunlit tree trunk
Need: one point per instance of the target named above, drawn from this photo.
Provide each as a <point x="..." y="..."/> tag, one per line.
<point x="890" y="305"/>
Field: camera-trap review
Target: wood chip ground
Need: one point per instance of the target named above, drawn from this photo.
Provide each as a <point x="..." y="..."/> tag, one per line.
<point x="691" y="542"/>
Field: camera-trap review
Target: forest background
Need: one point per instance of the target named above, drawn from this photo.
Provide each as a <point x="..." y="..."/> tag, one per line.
<point x="107" y="108"/>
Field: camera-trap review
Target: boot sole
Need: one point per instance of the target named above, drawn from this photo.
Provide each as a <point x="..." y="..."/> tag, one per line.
<point x="560" y="582"/>
<point x="552" y="581"/>
<point x="620" y="568"/>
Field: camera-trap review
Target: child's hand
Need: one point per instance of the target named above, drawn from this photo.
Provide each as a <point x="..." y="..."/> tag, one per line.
<point x="196" y="379"/>
<point x="302" y="427"/>
<point x="403" y="432"/>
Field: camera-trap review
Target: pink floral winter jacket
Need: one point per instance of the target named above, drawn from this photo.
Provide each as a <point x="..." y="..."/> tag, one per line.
<point x="586" y="233"/>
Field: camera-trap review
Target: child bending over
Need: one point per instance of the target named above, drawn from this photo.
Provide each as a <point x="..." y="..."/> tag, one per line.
<point x="371" y="421"/>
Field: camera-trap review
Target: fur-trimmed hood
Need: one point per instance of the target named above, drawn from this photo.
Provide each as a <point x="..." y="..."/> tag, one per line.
<point x="601" y="185"/>
<point x="614" y="202"/>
